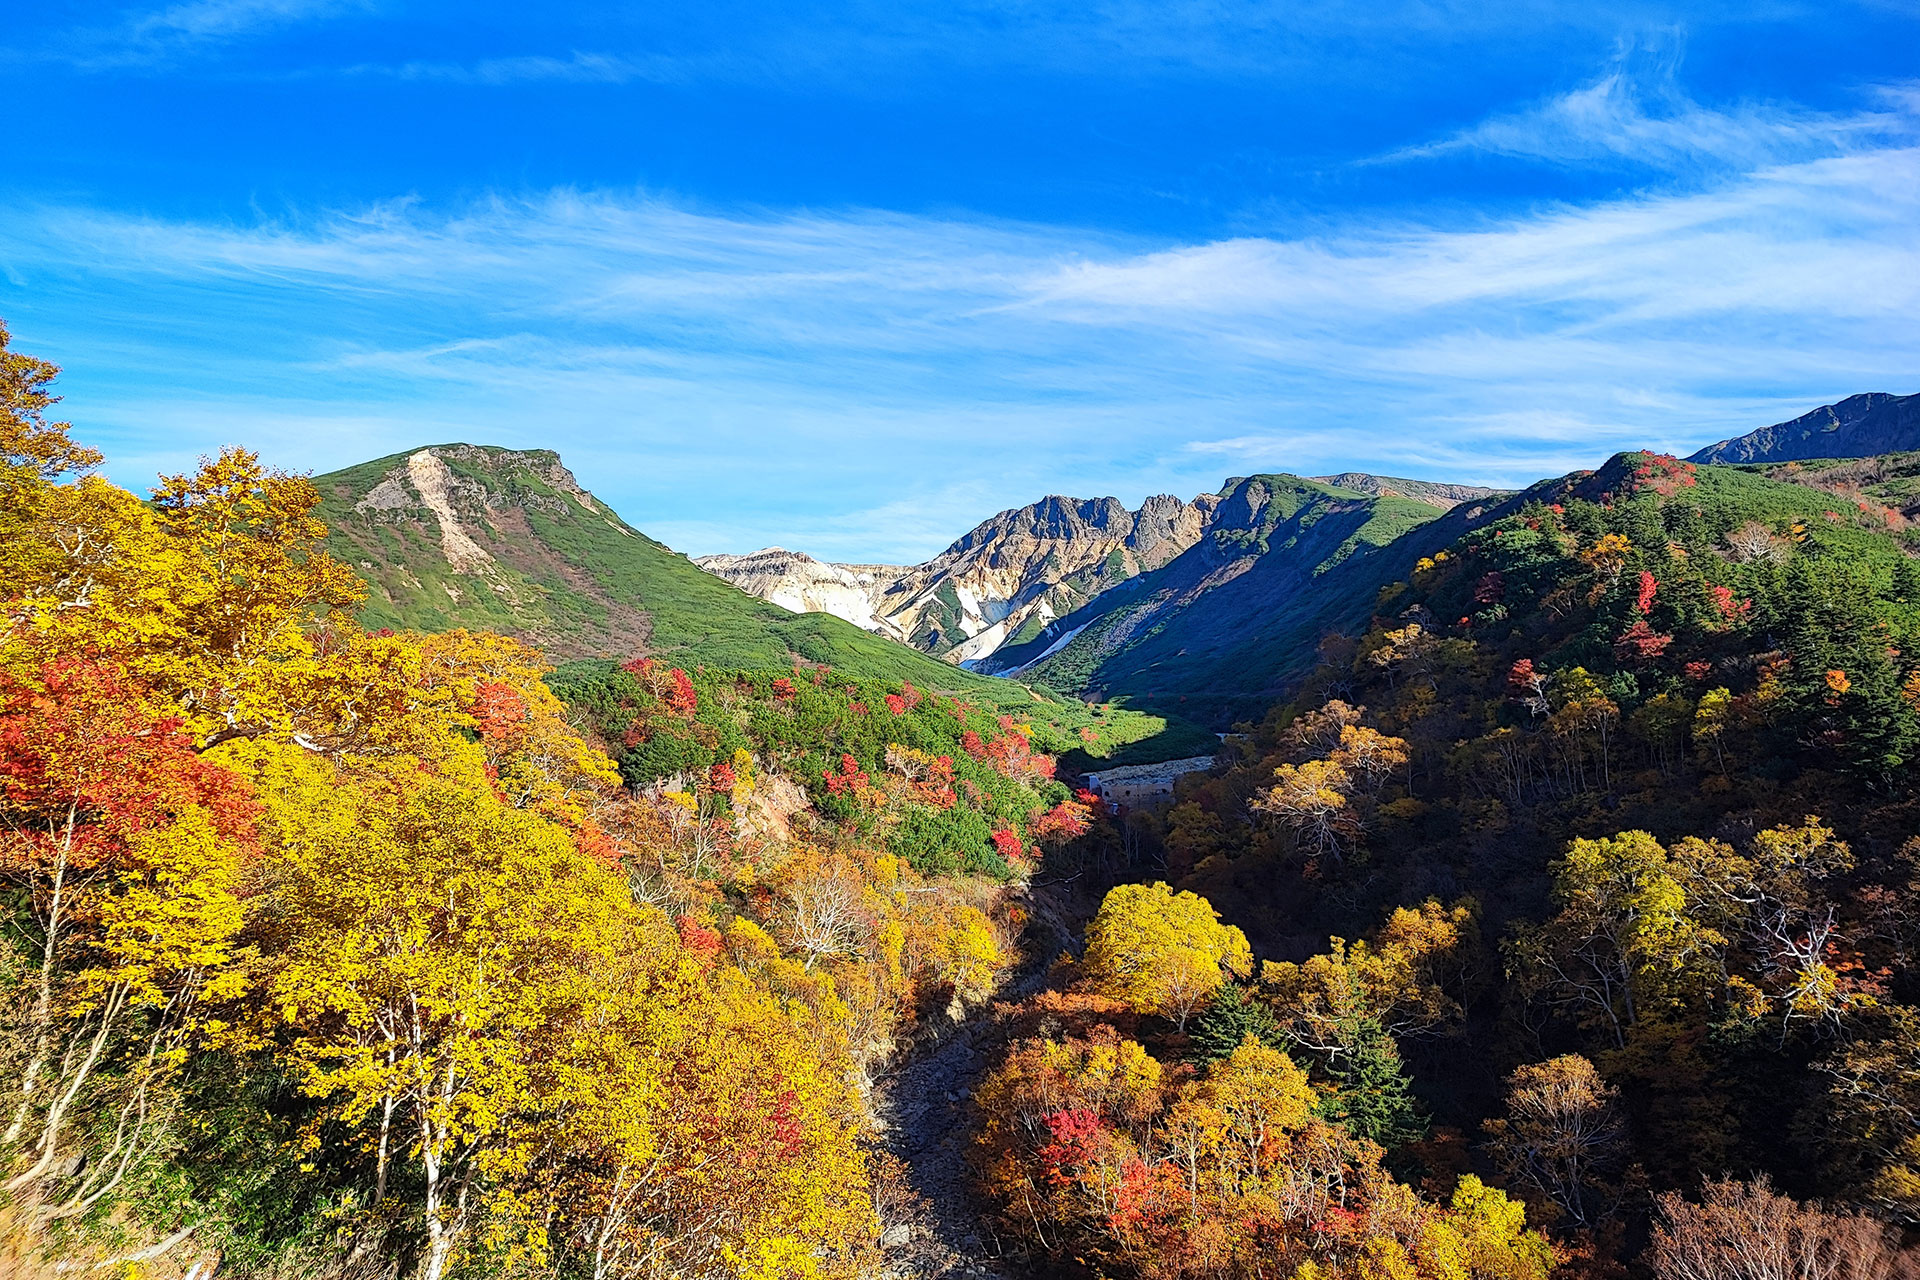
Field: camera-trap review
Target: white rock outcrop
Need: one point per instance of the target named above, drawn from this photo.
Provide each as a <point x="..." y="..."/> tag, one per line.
<point x="805" y="585"/>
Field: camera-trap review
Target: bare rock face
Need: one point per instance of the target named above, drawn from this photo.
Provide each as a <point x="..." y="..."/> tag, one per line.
<point x="1002" y="583"/>
<point x="805" y="585"/>
<point x="447" y="533"/>
<point x="1012" y="575"/>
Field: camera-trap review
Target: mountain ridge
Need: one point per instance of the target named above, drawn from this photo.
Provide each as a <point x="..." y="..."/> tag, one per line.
<point x="479" y="536"/>
<point x="1860" y="426"/>
<point x="1003" y="584"/>
<point x="1223" y="625"/>
<point x="1002" y="580"/>
<point x="1440" y="493"/>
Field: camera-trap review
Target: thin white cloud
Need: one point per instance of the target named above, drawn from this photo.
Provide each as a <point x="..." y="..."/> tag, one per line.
<point x="866" y="386"/>
<point x="577" y="67"/>
<point x="224" y="19"/>
<point x="1637" y="114"/>
<point x="866" y="46"/>
<point x="1810" y="237"/>
<point x="157" y="37"/>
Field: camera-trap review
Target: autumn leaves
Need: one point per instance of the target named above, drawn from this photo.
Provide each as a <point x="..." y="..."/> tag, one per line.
<point x="311" y="916"/>
<point x="1237" y="1163"/>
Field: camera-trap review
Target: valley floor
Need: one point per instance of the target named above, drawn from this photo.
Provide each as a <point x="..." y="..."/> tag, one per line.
<point x="926" y="1110"/>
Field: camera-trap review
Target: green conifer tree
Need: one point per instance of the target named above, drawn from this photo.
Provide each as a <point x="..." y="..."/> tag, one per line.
<point x="1233" y="1016"/>
<point x="1371" y="1093"/>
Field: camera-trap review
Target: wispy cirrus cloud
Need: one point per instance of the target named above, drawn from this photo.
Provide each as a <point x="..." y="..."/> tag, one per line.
<point x="576" y="67"/>
<point x="164" y="35"/>
<point x="741" y="377"/>
<point x="225" y="19"/>
<point x="852" y="45"/>
<point x="1637" y="114"/>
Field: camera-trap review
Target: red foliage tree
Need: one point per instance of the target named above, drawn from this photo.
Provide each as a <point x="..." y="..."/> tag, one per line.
<point x="1731" y="610"/>
<point x="681" y="698"/>
<point x="850" y="778"/>
<point x="1640" y="643"/>
<point x="1528" y="686"/>
<point x="86" y="767"/>
<point x="499" y="713"/>
<point x="1648" y="585"/>
<point x="1008" y="846"/>
<point x="93" y="780"/>
<point x="697" y="938"/>
<point x="1065" y="821"/>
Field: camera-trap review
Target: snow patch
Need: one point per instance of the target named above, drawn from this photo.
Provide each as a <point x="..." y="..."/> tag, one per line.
<point x="1058" y="645"/>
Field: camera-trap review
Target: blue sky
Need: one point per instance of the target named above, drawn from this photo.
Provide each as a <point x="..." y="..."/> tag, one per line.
<point x="851" y="277"/>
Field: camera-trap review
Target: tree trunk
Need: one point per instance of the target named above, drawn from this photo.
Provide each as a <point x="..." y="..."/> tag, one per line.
<point x="43" y="996"/>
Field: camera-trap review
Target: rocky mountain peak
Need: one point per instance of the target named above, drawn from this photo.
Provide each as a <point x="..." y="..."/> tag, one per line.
<point x="1052" y="518"/>
<point x="1006" y="583"/>
<point x="803" y="584"/>
<point x="1004" y="580"/>
<point x="472" y="480"/>
<point x="463" y="492"/>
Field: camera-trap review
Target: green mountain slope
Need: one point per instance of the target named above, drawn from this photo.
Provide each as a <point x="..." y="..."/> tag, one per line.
<point x="1235" y="622"/>
<point x="1890" y="481"/>
<point x="475" y="536"/>
<point x="1219" y="632"/>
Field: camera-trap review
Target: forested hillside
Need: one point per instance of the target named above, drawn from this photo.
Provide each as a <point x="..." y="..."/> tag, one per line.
<point x="1586" y="873"/>
<point x="350" y="951"/>
<point x="1558" y="922"/>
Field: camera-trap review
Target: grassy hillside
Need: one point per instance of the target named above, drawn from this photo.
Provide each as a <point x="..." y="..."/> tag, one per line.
<point x="551" y="564"/>
<point x="1890" y="481"/>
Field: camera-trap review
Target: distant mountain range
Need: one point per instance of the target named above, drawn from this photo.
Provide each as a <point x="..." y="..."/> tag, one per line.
<point x="1200" y="610"/>
<point x="1221" y="629"/>
<point x="992" y="598"/>
<point x="1857" y="427"/>
<point x="1001" y="584"/>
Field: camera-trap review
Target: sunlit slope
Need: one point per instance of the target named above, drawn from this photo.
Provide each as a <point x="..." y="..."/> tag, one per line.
<point x="1217" y="633"/>
<point x="507" y="540"/>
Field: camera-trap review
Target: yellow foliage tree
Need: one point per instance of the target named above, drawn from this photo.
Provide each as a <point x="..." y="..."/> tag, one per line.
<point x="428" y="947"/>
<point x="1394" y="980"/>
<point x="1483" y="1235"/>
<point x="1373" y="755"/>
<point x="697" y="1125"/>
<point x="1310" y="800"/>
<point x="1162" y="952"/>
